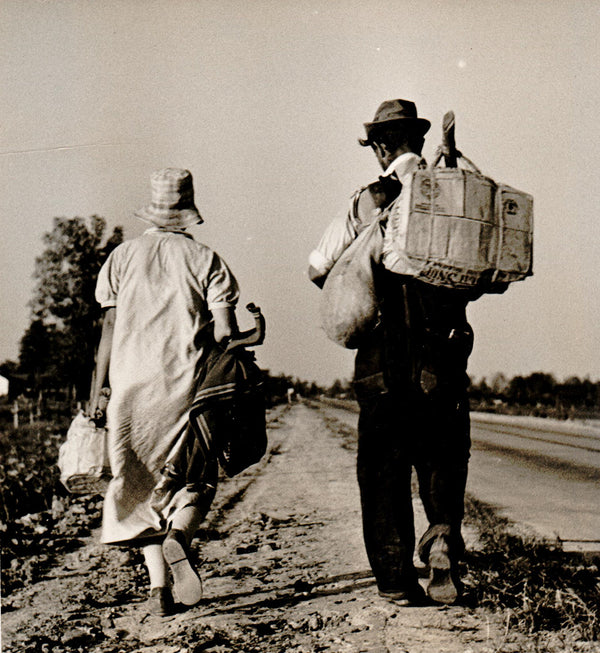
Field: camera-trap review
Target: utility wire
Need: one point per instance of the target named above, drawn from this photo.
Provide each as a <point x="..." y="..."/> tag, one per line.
<point x="61" y="148"/>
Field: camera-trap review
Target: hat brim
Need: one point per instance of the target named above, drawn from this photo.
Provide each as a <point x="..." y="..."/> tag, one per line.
<point x="170" y="219"/>
<point x="420" y="125"/>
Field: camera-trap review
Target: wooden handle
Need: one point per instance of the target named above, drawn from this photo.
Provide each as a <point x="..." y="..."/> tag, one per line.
<point x="252" y="337"/>
<point x="448" y="140"/>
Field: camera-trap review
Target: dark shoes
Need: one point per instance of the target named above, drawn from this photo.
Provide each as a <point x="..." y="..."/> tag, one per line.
<point x="413" y="596"/>
<point x="160" y="602"/>
<point x="186" y="582"/>
<point x="442" y="587"/>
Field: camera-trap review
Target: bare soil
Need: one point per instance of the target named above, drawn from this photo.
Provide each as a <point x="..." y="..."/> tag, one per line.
<point x="283" y="566"/>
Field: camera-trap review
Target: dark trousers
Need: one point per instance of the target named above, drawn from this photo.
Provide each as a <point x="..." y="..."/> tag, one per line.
<point x="396" y="435"/>
<point x="411" y="382"/>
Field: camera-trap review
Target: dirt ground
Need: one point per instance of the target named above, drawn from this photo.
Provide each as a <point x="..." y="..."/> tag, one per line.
<point x="283" y="567"/>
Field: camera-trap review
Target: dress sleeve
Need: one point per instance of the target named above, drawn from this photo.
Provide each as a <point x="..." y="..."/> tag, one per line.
<point x="107" y="286"/>
<point x="222" y="288"/>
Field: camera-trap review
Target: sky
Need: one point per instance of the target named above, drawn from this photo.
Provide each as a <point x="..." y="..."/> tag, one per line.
<point x="263" y="102"/>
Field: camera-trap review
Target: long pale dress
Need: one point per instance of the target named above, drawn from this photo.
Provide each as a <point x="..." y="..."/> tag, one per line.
<point x="163" y="285"/>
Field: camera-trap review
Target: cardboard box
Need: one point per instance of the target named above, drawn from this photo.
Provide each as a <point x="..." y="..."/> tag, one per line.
<point x="463" y="229"/>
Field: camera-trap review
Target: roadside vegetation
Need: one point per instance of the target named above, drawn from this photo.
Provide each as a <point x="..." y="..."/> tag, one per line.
<point x="534" y="583"/>
<point x="39" y="520"/>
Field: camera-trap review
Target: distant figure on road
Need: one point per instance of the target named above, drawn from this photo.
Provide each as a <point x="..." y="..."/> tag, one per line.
<point x="410" y="381"/>
<point x="168" y="300"/>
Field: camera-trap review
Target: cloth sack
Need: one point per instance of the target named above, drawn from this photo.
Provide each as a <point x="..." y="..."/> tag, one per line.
<point x="83" y="457"/>
<point x="348" y="301"/>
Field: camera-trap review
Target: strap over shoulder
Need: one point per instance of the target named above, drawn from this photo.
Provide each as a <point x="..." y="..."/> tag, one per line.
<point x="370" y="201"/>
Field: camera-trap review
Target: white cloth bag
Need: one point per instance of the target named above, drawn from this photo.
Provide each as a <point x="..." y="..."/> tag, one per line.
<point x="83" y="457"/>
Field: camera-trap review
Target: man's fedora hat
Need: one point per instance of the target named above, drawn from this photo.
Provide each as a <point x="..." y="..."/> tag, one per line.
<point x="395" y="112"/>
<point x="172" y="204"/>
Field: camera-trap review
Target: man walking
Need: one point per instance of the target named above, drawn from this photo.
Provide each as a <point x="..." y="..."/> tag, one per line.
<point x="410" y="381"/>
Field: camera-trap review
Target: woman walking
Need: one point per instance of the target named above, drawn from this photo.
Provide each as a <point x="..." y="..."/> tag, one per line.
<point x="168" y="300"/>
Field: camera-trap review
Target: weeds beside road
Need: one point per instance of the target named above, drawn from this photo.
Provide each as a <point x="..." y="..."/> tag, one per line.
<point x="534" y="583"/>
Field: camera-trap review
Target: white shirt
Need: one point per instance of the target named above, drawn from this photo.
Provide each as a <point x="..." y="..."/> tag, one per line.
<point x="345" y="228"/>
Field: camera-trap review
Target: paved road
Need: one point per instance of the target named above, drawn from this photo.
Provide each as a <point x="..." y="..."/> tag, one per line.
<point x="543" y="475"/>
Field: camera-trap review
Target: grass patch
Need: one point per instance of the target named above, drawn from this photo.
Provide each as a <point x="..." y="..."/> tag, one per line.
<point x="541" y="586"/>
<point x="39" y="520"/>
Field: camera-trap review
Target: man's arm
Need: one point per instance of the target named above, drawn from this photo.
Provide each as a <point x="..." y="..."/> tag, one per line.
<point x="337" y="237"/>
<point x="318" y="278"/>
<point x="102" y="360"/>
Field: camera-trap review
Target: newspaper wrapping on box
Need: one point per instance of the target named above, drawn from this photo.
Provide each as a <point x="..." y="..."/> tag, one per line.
<point x="452" y="227"/>
<point x="463" y="230"/>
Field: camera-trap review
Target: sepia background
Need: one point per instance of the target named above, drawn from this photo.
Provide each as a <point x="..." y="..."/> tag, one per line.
<point x="263" y="102"/>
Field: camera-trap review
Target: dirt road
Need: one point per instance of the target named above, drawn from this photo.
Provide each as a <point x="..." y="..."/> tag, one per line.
<point x="283" y="567"/>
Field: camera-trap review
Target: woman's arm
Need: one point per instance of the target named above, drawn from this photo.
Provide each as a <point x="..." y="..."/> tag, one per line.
<point x="102" y="360"/>
<point x="225" y="324"/>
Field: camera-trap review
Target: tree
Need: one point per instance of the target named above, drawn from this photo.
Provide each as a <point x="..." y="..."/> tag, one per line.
<point x="65" y="315"/>
<point x="540" y="387"/>
<point x="517" y="390"/>
<point x="8" y="368"/>
<point x="499" y="384"/>
<point x="339" y="389"/>
<point x="40" y="346"/>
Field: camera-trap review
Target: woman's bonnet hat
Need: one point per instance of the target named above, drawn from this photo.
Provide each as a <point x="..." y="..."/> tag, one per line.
<point x="172" y="204"/>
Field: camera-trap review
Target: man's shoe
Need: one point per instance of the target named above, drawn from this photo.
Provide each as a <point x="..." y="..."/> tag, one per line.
<point x="441" y="588"/>
<point x="186" y="582"/>
<point x="160" y="602"/>
<point x="414" y="596"/>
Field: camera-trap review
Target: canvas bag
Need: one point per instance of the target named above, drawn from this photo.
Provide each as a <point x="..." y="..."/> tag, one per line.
<point x="83" y="457"/>
<point x="349" y="305"/>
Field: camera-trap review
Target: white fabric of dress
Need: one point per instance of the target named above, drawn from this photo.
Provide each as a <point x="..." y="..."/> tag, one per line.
<point x="164" y="285"/>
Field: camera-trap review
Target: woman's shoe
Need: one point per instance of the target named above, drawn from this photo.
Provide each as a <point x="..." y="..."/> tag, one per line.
<point x="160" y="602"/>
<point x="186" y="582"/>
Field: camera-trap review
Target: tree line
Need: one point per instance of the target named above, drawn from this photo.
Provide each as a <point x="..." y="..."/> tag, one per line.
<point x="57" y="350"/>
<point x="539" y="394"/>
